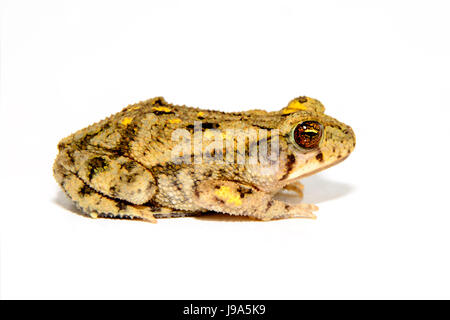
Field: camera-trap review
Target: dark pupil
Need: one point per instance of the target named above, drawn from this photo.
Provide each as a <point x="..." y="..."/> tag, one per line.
<point x="307" y="134"/>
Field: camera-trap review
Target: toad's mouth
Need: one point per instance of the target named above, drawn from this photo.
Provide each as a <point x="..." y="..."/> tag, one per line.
<point x="307" y="174"/>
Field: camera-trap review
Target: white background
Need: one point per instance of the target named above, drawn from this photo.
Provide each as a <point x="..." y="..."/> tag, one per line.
<point x="383" y="228"/>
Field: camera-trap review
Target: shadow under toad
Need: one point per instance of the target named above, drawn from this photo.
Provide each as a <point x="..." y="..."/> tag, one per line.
<point x="63" y="201"/>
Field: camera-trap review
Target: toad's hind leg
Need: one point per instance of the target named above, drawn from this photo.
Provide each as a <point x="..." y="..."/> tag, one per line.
<point x="96" y="204"/>
<point x="117" y="177"/>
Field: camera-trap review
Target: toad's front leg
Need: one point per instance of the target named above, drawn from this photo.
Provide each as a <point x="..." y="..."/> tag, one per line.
<point x="239" y="199"/>
<point x="296" y="187"/>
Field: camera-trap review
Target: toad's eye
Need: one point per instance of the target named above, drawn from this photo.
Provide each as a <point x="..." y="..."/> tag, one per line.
<point x="307" y="134"/>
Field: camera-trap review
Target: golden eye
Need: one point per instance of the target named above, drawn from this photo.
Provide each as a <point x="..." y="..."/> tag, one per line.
<point x="307" y="134"/>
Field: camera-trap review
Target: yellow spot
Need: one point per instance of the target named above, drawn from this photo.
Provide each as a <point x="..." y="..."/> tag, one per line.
<point x="200" y="114"/>
<point x="296" y="105"/>
<point x="135" y="108"/>
<point x="311" y="130"/>
<point x="163" y="109"/>
<point x="287" y="110"/>
<point x="174" y="120"/>
<point x="229" y="196"/>
<point x="94" y="215"/>
<point x="126" y="121"/>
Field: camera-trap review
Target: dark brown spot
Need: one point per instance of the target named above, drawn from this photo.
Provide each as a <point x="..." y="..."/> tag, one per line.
<point x="84" y="142"/>
<point x="113" y="191"/>
<point x="70" y="156"/>
<point x="208" y="174"/>
<point x="96" y="165"/>
<point x="219" y="200"/>
<point x="61" y="146"/>
<point x="319" y="156"/>
<point x="159" y="113"/>
<point x="131" y="178"/>
<point x="244" y="191"/>
<point x="261" y="126"/>
<point x="290" y="161"/>
<point x="159" y="101"/>
<point x="128" y="165"/>
<point x="302" y="99"/>
<point x="85" y="191"/>
<point x="127" y="136"/>
<point x="149" y="187"/>
<point x="209" y="125"/>
<point x="121" y="205"/>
